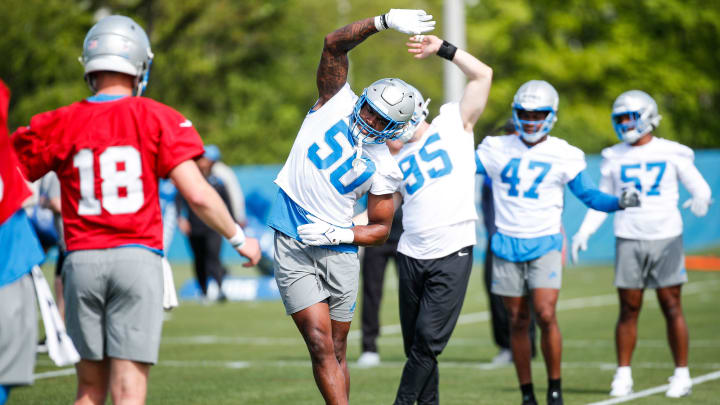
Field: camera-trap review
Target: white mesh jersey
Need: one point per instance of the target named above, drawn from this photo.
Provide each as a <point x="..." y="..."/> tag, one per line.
<point x="654" y="169"/>
<point x="438" y="188"/>
<point x="529" y="183"/>
<point x="318" y="174"/>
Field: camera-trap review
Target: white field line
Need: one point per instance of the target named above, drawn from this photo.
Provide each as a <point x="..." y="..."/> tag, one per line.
<point x="56" y="373"/>
<point x="655" y="390"/>
<point x="563" y="305"/>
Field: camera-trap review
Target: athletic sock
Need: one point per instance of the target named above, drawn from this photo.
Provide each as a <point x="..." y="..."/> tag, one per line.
<point x="4" y="394"/>
<point x="624" y="372"/>
<point x="554" y="385"/>
<point x="682" y="372"/>
<point x="528" y="393"/>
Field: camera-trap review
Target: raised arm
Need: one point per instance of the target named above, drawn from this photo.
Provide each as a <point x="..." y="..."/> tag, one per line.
<point x="479" y="75"/>
<point x="333" y="69"/>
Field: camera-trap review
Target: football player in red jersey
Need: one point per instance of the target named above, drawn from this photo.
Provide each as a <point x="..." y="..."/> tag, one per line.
<point x="109" y="151"/>
<point x="19" y="253"/>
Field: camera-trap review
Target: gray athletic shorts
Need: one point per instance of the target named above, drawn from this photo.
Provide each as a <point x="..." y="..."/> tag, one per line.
<point x="307" y="275"/>
<point x="649" y="263"/>
<point x="113" y="303"/>
<point x="516" y="279"/>
<point x="18" y="332"/>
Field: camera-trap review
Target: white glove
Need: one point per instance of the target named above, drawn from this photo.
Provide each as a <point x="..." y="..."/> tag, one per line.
<point x="411" y="22"/>
<point x="320" y="233"/>
<point x="579" y="242"/>
<point x="698" y="207"/>
<point x="630" y="197"/>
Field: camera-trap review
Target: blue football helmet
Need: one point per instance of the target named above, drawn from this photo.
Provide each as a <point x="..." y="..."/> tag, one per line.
<point x="535" y="95"/>
<point x="393" y="100"/>
<point x="643" y="112"/>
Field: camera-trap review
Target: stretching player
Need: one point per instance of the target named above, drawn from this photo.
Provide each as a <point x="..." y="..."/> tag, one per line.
<point x="648" y="247"/>
<point x="529" y="173"/>
<point x="19" y="253"/>
<point x="108" y="152"/>
<point x="438" y="194"/>
<point x="338" y="156"/>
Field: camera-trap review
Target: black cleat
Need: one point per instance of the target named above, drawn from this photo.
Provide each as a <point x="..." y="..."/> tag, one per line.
<point x="554" y="398"/>
<point x="529" y="400"/>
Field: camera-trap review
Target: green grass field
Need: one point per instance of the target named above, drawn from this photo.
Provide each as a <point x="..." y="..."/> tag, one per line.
<point x="251" y="353"/>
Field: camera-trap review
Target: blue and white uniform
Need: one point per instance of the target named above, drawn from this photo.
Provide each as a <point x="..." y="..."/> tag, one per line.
<point x="323" y="178"/>
<point x="528" y="193"/>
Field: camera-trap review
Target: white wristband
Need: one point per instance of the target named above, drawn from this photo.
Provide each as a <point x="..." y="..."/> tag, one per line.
<point x="238" y="240"/>
<point x="379" y="20"/>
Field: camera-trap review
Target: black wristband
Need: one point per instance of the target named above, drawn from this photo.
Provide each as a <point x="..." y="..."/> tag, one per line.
<point x="383" y="21"/>
<point x="447" y="50"/>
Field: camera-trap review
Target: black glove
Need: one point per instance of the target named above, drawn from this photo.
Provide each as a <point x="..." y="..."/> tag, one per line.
<point x="630" y="197"/>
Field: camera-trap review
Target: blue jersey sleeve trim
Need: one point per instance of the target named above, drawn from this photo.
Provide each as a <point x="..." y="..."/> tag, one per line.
<point x="285" y="216"/>
<point x="480" y="167"/>
<point x="585" y="190"/>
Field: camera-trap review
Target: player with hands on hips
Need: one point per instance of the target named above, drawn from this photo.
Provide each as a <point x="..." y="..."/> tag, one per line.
<point x="109" y="151"/>
<point x="529" y="171"/>
<point x="338" y="156"/>
<point x="438" y="202"/>
<point x="648" y="247"/>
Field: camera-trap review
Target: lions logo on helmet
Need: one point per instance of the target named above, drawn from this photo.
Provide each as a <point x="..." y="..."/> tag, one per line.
<point x="117" y="44"/>
<point x="642" y="112"/>
<point x="535" y="95"/>
<point x="393" y="101"/>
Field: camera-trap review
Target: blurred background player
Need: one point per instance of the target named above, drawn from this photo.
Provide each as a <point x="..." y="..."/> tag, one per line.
<point x="529" y="173"/>
<point x="338" y="156"/>
<point x="108" y="152"/>
<point x="499" y="321"/>
<point x="20" y="251"/>
<point x="435" y="252"/>
<point x="205" y="242"/>
<point x="648" y="247"/>
<point x="373" y="265"/>
<point x="228" y="178"/>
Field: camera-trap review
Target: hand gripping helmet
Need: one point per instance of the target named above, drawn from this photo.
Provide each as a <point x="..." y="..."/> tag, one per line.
<point x="643" y="112"/>
<point x="117" y="44"/>
<point x="419" y="114"/>
<point x="535" y="95"/>
<point x="393" y="100"/>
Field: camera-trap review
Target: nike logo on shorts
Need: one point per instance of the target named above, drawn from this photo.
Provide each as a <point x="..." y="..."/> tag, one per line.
<point x="463" y="253"/>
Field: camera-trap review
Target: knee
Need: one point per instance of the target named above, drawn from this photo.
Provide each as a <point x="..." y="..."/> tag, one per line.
<point x="340" y="349"/>
<point x="319" y="345"/>
<point x="546" y="316"/>
<point x="519" y="321"/>
<point x="629" y="312"/>
<point x="672" y="310"/>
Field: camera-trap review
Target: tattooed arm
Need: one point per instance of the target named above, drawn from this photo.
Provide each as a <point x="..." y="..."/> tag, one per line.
<point x="333" y="69"/>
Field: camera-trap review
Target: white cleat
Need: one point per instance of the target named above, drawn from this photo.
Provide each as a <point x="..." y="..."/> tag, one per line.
<point x="368" y="359"/>
<point x="621" y="386"/>
<point x="503" y="357"/>
<point x="679" y="387"/>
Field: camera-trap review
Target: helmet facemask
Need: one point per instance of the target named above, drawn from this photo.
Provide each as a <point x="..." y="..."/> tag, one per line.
<point x="363" y="132"/>
<point x="543" y="126"/>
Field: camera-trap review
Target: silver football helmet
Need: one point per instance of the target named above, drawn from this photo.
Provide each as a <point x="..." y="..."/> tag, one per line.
<point x="420" y="113"/>
<point x="535" y="95"/>
<point x="642" y="111"/>
<point x="117" y="44"/>
<point x="393" y="100"/>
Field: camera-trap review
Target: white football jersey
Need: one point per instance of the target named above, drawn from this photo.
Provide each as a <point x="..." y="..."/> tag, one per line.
<point x="319" y="175"/>
<point x="654" y="169"/>
<point x="529" y="183"/>
<point x="438" y="188"/>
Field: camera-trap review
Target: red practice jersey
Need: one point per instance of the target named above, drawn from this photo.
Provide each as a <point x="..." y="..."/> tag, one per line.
<point x="13" y="189"/>
<point x="108" y="156"/>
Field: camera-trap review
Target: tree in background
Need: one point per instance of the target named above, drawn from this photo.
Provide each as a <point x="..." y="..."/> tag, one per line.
<point x="239" y="69"/>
